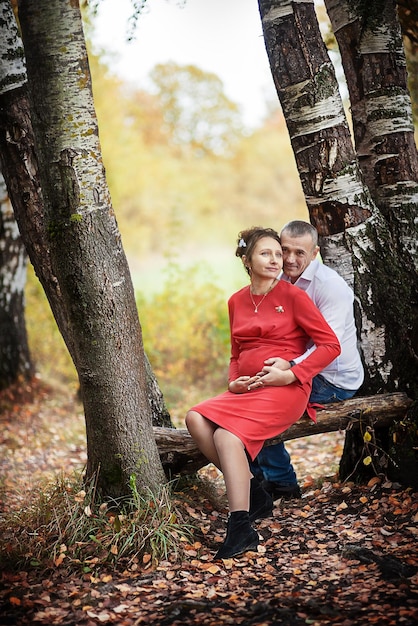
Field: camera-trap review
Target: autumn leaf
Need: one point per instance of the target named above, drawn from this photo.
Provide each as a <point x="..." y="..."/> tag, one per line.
<point x="79" y="497"/>
<point x="58" y="561"/>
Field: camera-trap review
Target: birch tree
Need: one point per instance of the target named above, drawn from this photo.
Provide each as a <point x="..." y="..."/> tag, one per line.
<point x="14" y="351"/>
<point x="15" y="360"/>
<point x="363" y="200"/>
<point x="76" y="221"/>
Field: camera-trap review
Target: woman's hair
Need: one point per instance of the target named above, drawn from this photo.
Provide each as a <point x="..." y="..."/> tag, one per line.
<point x="247" y="240"/>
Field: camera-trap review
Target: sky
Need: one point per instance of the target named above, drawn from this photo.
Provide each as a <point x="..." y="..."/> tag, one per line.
<point x="219" y="36"/>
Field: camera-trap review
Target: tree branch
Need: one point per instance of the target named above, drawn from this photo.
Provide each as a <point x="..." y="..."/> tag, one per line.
<point x="179" y="454"/>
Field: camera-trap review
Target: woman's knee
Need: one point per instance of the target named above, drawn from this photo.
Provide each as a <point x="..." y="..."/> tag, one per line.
<point x="226" y="439"/>
<point x="192" y="419"/>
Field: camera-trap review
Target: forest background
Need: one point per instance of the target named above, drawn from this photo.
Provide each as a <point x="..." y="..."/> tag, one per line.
<point x="185" y="175"/>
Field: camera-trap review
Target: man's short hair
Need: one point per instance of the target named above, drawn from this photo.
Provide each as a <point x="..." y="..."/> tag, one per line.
<point x="299" y="228"/>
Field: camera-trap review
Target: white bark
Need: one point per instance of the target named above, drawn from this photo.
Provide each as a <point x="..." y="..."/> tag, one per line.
<point x="12" y="274"/>
<point x="382" y="110"/>
<point x="356" y="237"/>
<point x="12" y="63"/>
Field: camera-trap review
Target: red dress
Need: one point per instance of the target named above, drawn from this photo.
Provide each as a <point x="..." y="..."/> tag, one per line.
<point x="285" y="321"/>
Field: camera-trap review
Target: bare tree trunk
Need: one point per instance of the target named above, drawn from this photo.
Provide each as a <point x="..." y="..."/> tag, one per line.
<point x="357" y="238"/>
<point x="86" y="251"/>
<point x="374" y="63"/>
<point x="408" y="17"/>
<point x="375" y="67"/>
<point x="411" y="51"/>
<point x="19" y="162"/>
<point x="20" y="167"/>
<point x="15" y="360"/>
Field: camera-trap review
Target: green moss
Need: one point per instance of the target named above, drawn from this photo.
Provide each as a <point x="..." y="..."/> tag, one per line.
<point x="75" y="217"/>
<point x="350" y="168"/>
<point x="54" y="229"/>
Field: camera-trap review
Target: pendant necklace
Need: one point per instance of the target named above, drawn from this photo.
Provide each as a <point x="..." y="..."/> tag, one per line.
<point x="256" y="306"/>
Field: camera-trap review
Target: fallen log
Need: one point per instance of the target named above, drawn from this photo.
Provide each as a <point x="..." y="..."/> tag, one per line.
<point x="179" y="454"/>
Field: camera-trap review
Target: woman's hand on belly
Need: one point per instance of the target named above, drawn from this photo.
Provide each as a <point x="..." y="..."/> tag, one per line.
<point x="243" y="384"/>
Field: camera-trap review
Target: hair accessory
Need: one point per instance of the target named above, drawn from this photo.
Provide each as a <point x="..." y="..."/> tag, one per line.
<point x="242" y="243"/>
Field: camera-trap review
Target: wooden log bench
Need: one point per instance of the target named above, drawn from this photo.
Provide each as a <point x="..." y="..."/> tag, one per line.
<point x="179" y="454"/>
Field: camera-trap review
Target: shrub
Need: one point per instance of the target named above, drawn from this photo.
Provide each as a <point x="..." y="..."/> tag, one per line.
<point x="186" y="336"/>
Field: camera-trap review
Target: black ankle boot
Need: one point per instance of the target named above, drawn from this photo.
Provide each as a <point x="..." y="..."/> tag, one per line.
<point x="261" y="502"/>
<point x="240" y="536"/>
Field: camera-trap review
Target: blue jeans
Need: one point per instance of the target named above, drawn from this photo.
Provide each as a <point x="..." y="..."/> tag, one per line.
<point x="273" y="462"/>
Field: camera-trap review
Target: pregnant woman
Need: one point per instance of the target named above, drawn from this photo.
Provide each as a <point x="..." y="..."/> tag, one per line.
<point x="268" y="317"/>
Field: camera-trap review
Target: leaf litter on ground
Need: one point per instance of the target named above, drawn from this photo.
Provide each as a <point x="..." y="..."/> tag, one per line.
<point x="344" y="554"/>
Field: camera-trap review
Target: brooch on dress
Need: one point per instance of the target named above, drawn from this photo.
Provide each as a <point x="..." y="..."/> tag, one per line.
<point x="279" y="309"/>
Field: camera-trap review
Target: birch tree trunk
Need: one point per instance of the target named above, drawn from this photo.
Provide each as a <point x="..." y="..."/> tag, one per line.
<point x="370" y="42"/>
<point x="357" y="238"/>
<point x="15" y="360"/>
<point x="374" y="63"/>
<point x="86" y="252"/>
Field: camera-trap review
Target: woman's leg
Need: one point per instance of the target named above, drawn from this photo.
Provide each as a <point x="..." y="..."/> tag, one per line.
<point x="202" y="431"/>
<point x="227" y="452"/>
<point x="235" y="469"/>
<point x="240" y="535"/>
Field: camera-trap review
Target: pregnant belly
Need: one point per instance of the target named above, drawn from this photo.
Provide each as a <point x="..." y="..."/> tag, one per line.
<point x="252" y="360"/>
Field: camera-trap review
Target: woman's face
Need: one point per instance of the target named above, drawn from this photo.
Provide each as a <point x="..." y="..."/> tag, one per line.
<point x="266" y="259"/>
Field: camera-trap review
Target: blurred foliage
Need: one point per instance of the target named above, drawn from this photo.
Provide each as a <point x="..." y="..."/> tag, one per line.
<point x="156" y="180"/>
<point x="198" y="115"/>
<point x="186" y="337"/>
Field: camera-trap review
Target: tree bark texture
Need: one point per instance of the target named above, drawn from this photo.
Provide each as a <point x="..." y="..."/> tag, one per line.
<point x="374" y="63"/>
<point x="308" y="92"/>
<point x="373" y="253"/>
<point x="86" y="252"/>
<point x="180" y="455"/>
<point x="357" y="240"/>
<point x="15" y="360"/>
<point x="370" y="42"/>
<point x="408" y="17"/>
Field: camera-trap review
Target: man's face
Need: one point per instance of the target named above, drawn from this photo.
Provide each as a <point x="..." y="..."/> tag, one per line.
<point x="298" y="252"/>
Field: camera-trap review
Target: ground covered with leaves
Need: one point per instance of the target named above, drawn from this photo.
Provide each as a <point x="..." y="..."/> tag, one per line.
<point x="344" y="554"/>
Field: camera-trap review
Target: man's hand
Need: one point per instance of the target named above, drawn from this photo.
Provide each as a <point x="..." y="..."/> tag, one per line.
<point x="275" y="377"/>
<point x="278" y="362"/>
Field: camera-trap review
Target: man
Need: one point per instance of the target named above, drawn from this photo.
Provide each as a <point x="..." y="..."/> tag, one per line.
<point x="343" y="377"/>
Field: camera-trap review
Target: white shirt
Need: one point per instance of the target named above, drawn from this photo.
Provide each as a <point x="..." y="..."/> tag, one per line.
<point x="334" y="299"/>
